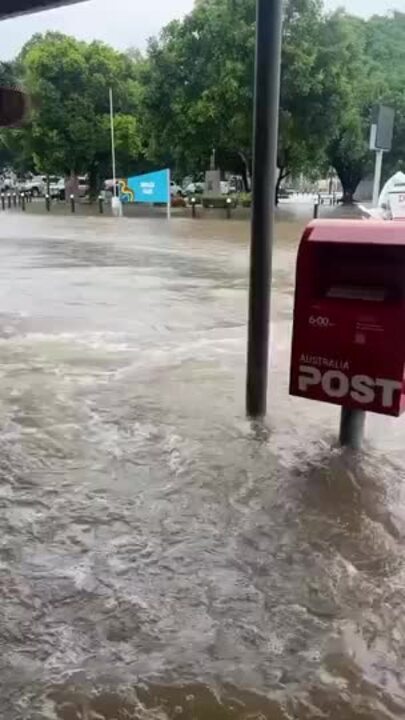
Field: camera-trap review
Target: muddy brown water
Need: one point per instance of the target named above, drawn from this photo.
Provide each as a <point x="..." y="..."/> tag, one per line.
<point x="161" y="556"/>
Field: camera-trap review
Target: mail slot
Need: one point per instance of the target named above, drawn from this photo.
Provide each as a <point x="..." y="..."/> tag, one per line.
<point x="348" y="345"/>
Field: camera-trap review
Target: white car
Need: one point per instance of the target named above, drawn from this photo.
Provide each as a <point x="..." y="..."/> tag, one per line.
<point x="35" y="185"/>
<point x="194" y="187"/>
<point x="175" y="190"/>
<point x="57" y="187"/>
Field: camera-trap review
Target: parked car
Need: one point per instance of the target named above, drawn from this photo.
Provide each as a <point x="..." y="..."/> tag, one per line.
<point x="8" y="181"/>
<point x="194" y="188"/>
<point x="175" y="189"/>
<point x="84" y="186"/>
<point x="35" y="185"/>
<point x="57" y="187"/>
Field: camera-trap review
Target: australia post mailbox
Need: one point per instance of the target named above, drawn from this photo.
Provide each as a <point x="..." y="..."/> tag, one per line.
<point x="348" y="343"/>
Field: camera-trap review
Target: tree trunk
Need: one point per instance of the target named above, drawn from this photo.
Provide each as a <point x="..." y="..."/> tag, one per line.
<point x="93" y="182"/>
<point x="283" y="172"/>
<point x="245" y="172"/>
<point x="347" y="198"/>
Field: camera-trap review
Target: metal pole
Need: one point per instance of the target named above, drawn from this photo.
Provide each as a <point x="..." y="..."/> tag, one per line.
<point x="22" y="201"/>
<point x="377" y="176"/>
<point x="352" y="424"/>
<point x="101" y="204"/>
<point x="72" y="203"/>
<point x="267" y="91"/>
<point x="316" y="209"/>
<point x="169" y="197"/>
<point x="113" y="144"/>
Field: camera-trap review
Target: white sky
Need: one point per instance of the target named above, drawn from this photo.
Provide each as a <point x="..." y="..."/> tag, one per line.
<point x="125" y="23"/>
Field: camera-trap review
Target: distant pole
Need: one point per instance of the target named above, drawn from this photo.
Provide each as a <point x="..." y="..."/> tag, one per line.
<point x="377" y="176"/>
<point x="113" y="143"/>
<point x="169" y="199"/>
<point x="267" y="91"/>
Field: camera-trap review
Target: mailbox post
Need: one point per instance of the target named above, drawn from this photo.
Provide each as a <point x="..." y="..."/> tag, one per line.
<point x="348" y="347"/>
<point x="351" y="431"/>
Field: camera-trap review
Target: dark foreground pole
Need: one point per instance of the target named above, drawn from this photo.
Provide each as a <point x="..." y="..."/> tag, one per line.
<point x="352" y="428"/>
<point x="267" y="90"/>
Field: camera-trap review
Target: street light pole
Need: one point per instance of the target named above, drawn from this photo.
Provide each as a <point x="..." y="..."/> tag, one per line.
<point x="113" y="142"/>
<point x="266" y="107"/>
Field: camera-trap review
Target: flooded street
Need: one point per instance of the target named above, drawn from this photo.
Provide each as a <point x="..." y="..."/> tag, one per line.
<point x="161" y="556"/>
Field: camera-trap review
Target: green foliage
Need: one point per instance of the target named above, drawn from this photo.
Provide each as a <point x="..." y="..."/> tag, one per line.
<point x="199" y="87"/>
<point x="193" y="91"/>
<point x="245" y="200"/>
<point x="219" y="201"/>
<point x="69" y="83"/>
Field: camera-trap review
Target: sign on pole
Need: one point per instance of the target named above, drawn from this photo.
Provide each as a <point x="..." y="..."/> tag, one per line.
<point x="151" y="187"/>
<point x="381" y="132"/>
<point x="382" y="128"/>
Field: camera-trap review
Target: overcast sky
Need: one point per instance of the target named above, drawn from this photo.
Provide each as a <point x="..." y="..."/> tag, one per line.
<point x="125" y="23"/>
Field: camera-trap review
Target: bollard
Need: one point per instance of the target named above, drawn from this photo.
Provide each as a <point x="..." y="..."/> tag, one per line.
<point x="193" y="207"/>
<point x="48" y="203"/>
<point x="72" y="203"/>
<point x="316" y="209"/>
<point x="3" y="202"/>
<point x="15" y="199"/>
<point x="100" y="204"/>
<point x="228" y="208"/>
<point x="23" y="201"/>
<point x="9" y="201"/>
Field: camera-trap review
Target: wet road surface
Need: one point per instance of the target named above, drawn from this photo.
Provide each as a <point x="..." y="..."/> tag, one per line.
<point x="160" y="556"/>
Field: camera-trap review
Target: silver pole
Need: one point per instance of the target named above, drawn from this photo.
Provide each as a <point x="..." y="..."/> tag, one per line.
<point x="377" y="176"/>
<point x="267" y="92"/>
<point x="113" y="143"/>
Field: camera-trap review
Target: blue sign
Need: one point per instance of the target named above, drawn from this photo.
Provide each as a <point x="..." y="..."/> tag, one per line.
<point x="149" y="188"/>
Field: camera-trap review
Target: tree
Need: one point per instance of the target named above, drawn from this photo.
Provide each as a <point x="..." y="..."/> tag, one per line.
<point x="69" y="83"/>
<point x="198" y="88"/>
<point x="385" y="46"/>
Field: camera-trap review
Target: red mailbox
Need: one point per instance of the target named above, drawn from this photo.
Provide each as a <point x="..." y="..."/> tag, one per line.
<point x="348" y="343"/>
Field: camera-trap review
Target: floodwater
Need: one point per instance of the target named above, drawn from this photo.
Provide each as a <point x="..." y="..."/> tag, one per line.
<point x="162" y="557"/>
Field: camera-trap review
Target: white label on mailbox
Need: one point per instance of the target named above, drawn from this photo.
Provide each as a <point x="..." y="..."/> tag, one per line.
<point x="336" y="384"/>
